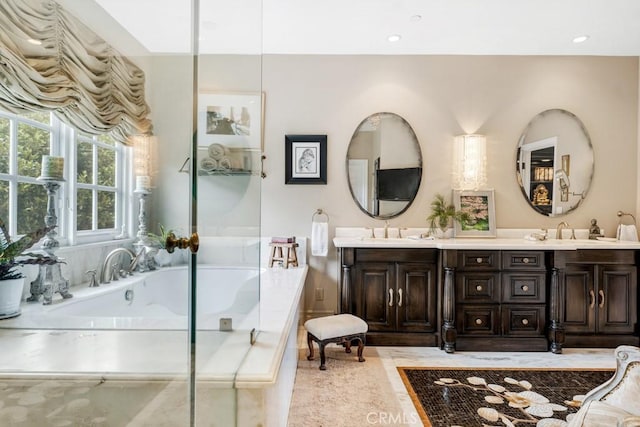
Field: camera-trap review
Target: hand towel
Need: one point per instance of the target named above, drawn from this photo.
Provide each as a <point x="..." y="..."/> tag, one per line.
<point x="319" y="238"/>
<point x="208" y="164"/>
<point x="627" y="233"/>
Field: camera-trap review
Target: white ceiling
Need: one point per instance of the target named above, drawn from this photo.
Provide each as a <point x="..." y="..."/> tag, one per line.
<point x="470" y="27"/>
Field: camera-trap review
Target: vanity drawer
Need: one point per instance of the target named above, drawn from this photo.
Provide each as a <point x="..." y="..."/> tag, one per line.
<point x="479" y="260"/>
<point x="522" y="260"/>
<point x="478" y="319"/>
<point x="523" y="287"/>
<point x="477" y="287"/>
<point x="522" y="320"/>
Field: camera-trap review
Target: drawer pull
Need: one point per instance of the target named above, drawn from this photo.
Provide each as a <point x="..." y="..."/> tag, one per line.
<point x="478" y="287"/>
<point x="479" y="260"/>
<point x="525" y="321"/>
<point x="525" y="288"/>
<point x="390" y="297"/>
<point x="399" y="297"/>
<point x="478" y="321"/>
<point x="525" y="260"/>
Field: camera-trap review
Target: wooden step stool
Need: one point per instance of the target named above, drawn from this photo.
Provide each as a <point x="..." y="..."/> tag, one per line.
<point x="277" y="254"/>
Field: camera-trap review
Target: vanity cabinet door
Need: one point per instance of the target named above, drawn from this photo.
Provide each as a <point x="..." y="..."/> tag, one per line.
<point x="579" y="299"/>
<point x="375" y="299"/>
<point x="416" y="302"/>
<point x="616" y="299"/>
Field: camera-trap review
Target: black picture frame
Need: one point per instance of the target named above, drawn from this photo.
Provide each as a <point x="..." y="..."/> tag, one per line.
<point x="305" y="158"/>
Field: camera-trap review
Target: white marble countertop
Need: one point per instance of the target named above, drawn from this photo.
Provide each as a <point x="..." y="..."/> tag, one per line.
<point x="162" y="354"/>
<point x="354" y="237"/>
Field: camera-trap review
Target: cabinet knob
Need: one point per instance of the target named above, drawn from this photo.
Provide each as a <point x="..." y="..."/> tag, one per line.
<point x="525" y="260"/>
<point x="478" y="321"/>
<point x="478" y="287"/>
<point x="479" y="260"/>
<point x="525" y="321"/>
<point x="525" y="288"/>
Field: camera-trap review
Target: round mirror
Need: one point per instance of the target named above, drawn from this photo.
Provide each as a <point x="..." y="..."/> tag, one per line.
<point x="554" y="164"/>
<point x="384" y="165"/>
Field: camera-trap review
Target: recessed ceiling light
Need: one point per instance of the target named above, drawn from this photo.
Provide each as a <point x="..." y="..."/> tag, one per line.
<point x="394" y="38"/>
<point x="580" y="39"/>
<point x="34" y="41"/>
<point x="416" y="18"/>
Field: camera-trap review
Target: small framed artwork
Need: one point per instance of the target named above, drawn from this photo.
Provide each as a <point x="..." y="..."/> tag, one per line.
<point x="480" y="207"/>
<point x="305" y="159"/>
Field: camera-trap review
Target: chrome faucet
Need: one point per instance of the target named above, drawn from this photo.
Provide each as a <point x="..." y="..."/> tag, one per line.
<point x="108" y="273"/>
<point x="562" y="226"/>
<point x="386" y="229"/>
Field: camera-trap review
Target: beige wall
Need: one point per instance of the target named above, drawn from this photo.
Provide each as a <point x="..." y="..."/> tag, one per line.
<point x="440" y="96"/>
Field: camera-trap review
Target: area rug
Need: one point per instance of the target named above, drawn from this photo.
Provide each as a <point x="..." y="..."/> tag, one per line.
<point x="446" y="397"/>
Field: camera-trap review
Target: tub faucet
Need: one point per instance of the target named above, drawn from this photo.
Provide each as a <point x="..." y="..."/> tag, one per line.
<point x="107" y="274"/>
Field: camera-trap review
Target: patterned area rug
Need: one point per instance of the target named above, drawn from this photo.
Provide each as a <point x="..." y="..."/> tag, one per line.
<point x="446" y="397"/>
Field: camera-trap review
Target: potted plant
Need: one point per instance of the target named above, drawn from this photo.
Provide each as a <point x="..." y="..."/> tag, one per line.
<point x="12" y="256"/>
<point x="163" y="257"/>
<point x="443" y="214"/>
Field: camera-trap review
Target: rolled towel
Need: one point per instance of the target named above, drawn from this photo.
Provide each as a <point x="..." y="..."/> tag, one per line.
<point x="208" y="164"/>
<point x="224" y="163"/>
<point x="217" y="151"/>
<point x="319" y="238"/>
<point x="627" y="233"/>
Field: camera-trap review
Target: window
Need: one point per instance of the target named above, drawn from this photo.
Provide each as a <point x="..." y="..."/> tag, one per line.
<point x="94" y="204"/>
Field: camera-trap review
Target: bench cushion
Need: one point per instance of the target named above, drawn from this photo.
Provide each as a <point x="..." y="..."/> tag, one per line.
<point x="340" y="325"/>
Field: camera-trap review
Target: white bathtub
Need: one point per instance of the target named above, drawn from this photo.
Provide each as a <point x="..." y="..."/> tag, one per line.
<point x="154" y="300"/>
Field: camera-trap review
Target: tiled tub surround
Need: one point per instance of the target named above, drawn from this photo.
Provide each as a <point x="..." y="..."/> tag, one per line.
<point x="509" y="292"/>
<point x="233" y="383"/>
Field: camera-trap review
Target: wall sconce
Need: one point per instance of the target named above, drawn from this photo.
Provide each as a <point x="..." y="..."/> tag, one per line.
<point x="470" y="162"/>
<point x="564" y="183"/>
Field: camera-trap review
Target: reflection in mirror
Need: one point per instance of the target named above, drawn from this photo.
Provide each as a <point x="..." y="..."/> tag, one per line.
<point x="384" y="165"/>
<point x="554" y="164"/>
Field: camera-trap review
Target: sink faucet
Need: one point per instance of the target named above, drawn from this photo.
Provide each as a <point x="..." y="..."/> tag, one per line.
<point x="106" y="268"/>
<point x="559" y="229"/>
<point x="386" y="229"/>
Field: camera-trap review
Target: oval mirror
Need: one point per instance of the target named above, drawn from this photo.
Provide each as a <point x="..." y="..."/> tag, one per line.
<point x="384" y="165"/>
<point x="554" y="164"/>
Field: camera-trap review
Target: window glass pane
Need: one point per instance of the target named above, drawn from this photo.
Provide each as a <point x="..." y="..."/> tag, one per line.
<point x="33" y="143"/>
<point x="4" y="145"/>
<point x="32" y="207"/>
<point x="4" y="202"/>
<point x="85" y="163"/>
<point x="106" y="210"/>
<point x="84" y="209"/>
<point x="106" y="167"/>
<point x="39" y="116"/>
<point x="106" y="139"/>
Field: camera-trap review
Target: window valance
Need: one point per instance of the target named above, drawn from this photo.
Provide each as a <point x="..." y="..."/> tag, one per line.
<point x="49" y="60"/>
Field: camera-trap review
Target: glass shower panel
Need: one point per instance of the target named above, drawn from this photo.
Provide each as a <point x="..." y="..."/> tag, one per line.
<point x="117" y="352"/>
<point x="227" y="168"/>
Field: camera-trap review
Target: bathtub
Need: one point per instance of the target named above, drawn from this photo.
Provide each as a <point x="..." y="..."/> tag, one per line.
<point x="156" y="300"/>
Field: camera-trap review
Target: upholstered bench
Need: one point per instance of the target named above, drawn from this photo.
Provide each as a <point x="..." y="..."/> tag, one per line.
<point x="341" y="329"/>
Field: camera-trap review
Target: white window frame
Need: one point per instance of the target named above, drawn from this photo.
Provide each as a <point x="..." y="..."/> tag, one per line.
<point x="63" y="142"/>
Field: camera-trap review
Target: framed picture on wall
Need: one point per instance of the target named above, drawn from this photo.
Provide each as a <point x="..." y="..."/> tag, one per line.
<point x="305" y="159"/>
<point x="480" y="207"/>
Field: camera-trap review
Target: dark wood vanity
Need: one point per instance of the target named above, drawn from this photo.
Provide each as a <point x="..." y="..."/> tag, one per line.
<point x="492" y="300"/>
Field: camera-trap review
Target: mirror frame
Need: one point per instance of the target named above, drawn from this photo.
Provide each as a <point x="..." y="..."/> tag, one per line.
<point x="587" y="139"/>
<point x="419" y="165"/>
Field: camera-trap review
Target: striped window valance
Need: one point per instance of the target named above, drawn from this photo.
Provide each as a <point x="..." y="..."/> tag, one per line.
<point x="51" y="61"/>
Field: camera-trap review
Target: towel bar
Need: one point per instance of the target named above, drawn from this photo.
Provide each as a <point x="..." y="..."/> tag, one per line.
<point x="319" y="212"/>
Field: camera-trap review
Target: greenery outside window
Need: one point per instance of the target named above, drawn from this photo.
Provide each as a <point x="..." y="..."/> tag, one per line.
<point x="94" y="205"/>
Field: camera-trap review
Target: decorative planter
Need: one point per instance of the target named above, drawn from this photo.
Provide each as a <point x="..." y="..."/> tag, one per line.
<point x="10" y="297"/>
<point x="163" y="258"/>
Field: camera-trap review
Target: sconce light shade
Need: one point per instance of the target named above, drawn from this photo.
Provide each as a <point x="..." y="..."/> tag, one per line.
<point x="470" y="162"/>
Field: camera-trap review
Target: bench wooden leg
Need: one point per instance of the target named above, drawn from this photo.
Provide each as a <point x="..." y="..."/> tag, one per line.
<point x="360" y="349"/>
<point x="322" y="358"/>
<point x="310" y="344"/>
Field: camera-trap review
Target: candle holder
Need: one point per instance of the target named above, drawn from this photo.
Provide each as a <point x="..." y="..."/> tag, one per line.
<point x="50" y="279"/>
<point x="143" y="247"/>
